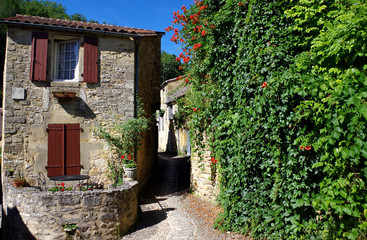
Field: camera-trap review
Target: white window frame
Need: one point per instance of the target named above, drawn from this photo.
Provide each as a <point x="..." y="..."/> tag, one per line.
<point x="56" y="60"/>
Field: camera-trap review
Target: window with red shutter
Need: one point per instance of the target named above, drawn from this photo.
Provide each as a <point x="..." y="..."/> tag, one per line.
<point x="38" y="70"/>
<point x="63" y="150"/>
<point x="90" y="73"/>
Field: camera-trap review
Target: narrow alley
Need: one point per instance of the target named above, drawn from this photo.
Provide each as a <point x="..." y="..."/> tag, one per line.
<point x="163" y="206"/>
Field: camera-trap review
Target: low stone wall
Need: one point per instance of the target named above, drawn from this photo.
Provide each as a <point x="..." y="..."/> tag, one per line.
<point x="99" y="214"/>
<point x="204" y="179"/>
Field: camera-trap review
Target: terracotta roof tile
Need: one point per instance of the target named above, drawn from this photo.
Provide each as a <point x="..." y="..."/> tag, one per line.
<point x="52" y="22"/>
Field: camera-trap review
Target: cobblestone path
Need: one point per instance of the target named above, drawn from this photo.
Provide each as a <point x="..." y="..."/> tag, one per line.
<point x="162" y="216"/>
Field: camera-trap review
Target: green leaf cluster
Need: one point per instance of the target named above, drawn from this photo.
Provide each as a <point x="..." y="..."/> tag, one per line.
<point x="124" y="137"/>
<point x="285" y="113"/>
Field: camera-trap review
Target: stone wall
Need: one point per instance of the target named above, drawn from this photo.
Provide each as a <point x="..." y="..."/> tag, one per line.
<point x="26" y="118"/>
<point x="204" y="175"/>
<point x="149" y="65"/>
<point x="99" y="214"/>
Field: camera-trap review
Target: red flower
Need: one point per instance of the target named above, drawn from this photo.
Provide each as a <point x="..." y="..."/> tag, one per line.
<point x="264" y="85"/>
<point x="63" y="184"/>
<point x="301" y="147"/>
<point x="178" y="59"/>
<point x="123" y="156"/>
<point x="186" y="80"/>
<point x="178" y="78"/>
<point x="195" y="109"/>
<point x="186" y="59"/>
<point x="206" y="76"/>
<point x="62" y="189"/>
<point x="197" y="46"/>
<point x="213" y="160"/>
<point x="203" y="33"/>
<point x="174" y="38"/>
<point x="308" y="148"/>
<point x="168" y="28"/>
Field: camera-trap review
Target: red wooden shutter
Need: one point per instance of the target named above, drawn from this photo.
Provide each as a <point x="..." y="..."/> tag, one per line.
<point x="72" y="149"/>
<point x="39" y="56"/>
<point x="90" y="60"/>
<point x="55" y="164"/>
<point x="63" y="150"/>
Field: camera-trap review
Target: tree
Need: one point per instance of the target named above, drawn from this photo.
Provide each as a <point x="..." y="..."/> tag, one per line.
<point x="170" y="67"/>
<point x="44" y="9"/>
<point x="78" y="17"/>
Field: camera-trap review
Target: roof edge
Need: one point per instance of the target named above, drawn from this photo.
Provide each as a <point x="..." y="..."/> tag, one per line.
<point x="77" y="26"/>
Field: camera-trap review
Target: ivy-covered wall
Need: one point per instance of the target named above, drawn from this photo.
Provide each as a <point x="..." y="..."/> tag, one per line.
<point x="279" y="89"/>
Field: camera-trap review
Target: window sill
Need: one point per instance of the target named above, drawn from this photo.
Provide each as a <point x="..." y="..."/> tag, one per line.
<point x="64" y="84"/>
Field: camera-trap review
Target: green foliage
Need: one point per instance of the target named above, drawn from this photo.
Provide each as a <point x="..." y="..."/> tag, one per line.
<point x="169" y="66"/>
<point x="78" y="17"/>
<point x="124" y="137"/>
<point x="44" y="9"/>
<point x="279" y="89"/>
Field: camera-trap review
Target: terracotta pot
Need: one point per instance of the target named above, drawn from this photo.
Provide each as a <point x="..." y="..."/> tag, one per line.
<point x="19" y="183"/>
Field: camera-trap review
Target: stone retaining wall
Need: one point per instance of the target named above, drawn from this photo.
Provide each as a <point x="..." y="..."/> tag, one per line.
<point x="99" y="214"/>
<point x="204" y="179"/>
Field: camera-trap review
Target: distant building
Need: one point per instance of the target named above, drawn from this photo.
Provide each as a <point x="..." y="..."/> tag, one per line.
<point x="172" y="139"/>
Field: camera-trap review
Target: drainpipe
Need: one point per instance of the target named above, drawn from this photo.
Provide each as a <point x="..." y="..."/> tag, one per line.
<point x="136" y="89"/>
<point x="136" y="83"/>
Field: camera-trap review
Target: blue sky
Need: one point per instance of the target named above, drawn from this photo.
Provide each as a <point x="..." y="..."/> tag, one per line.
<point x="146" y="14"/>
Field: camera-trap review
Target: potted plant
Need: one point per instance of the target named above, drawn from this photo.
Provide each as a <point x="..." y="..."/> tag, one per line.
<point x="130" y="167"/>
<point x="124" y="137"/>
<point x="19" y="180"/>
<point x="70" y="230"/>
<point x="9" y="172"/>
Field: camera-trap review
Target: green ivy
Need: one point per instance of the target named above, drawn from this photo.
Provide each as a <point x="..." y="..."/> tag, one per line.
<point x="279" y="88"/>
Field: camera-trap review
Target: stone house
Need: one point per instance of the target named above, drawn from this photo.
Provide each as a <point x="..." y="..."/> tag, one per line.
<point x="170" y="138"/>
<point x="63" y="78"/>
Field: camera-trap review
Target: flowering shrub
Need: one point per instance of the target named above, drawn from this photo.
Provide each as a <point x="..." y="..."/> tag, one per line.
<point x="284" y="110"/>
<point x="124" y="138"/>
<point x="128" y="162"/>
<point x="61" y="188"/>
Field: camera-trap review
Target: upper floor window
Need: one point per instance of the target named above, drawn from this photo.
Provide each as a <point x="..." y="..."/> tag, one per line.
<point x="66" y="60"/>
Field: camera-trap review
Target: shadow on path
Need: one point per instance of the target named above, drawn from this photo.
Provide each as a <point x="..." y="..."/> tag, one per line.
<point x="171" y="177"/>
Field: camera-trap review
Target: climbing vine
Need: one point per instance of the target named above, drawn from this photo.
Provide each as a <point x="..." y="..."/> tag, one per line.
<point x="279" y="88"/>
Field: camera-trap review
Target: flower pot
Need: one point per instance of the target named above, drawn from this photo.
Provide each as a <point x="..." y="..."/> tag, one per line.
<point x="130" y="174"/>
<point x="19" y="183"/>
